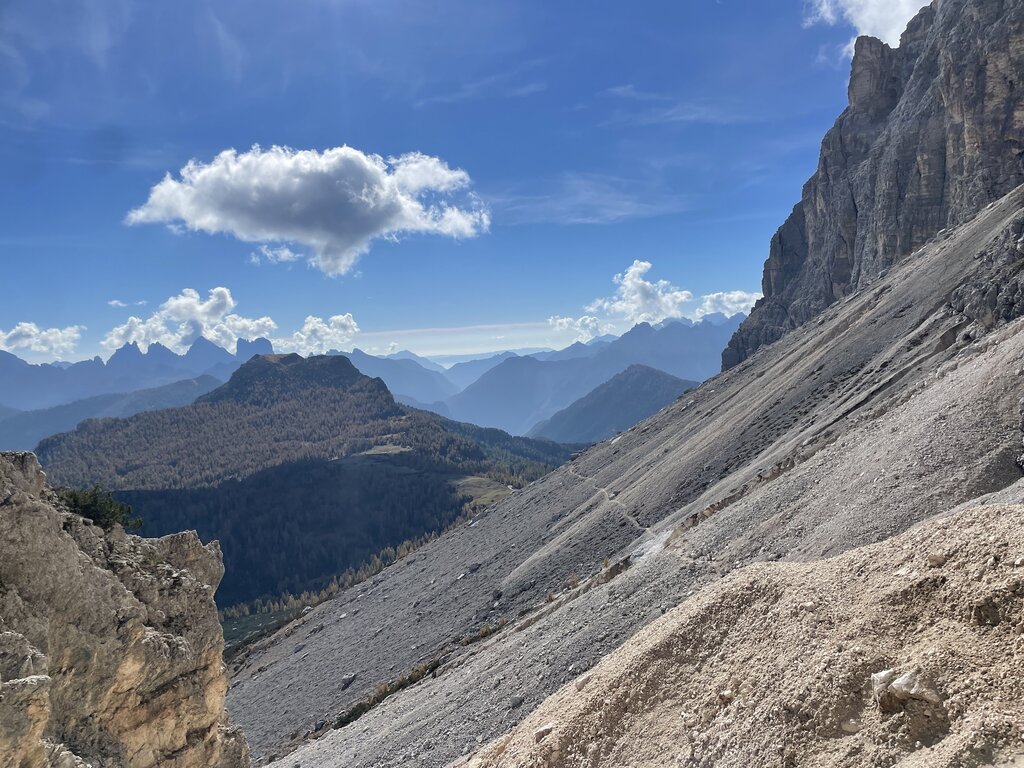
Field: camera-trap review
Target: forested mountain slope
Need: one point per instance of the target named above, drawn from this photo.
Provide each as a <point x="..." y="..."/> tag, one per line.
<point x="24" y="430"/>
<point x="302" y="468"/>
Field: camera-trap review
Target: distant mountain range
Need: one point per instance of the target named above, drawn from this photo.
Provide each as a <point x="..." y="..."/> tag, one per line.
<point x="511" y="390"/>
<point x="404" y="376"/>
<point x="520" y="392"/>
<point x="29" y="387"/>
<point x="426" y="362"/>
<point x="22" y="431"/>
<point x="447" y="360"/>
<point x="624" y="400"/>
<point x="464" y="374"/>
<point x="300" y="467"/>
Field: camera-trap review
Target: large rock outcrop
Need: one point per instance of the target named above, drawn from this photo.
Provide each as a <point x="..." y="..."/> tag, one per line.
<point x="110" y="648"/>
<point x="933" y="133"/>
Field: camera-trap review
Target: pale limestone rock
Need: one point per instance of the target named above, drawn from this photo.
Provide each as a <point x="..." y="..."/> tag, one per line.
<point x="110" y="648"/>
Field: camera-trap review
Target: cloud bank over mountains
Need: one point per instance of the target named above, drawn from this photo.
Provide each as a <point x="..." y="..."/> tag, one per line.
<point x="336" y="202"/>
<point x="48" y="341"/>
<point x="183" y="318"/>
<point x="640" y="300"/>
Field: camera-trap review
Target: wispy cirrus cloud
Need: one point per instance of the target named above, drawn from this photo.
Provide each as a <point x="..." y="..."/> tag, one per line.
<point x="118" y="304"/>
<point x="517" y="83"/>
<point x="280" y="255"/>
<point x="586" y="198"/>
<point x="229" y="47"/>
<point x="336" y="202"/>
<point x="637" y="107"/>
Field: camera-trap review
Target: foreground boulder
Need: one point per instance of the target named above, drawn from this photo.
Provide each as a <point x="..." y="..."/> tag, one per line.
<point x="110" y="648"/>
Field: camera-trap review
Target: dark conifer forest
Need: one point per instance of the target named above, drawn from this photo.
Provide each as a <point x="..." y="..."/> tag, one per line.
<point x="302" y="469"/>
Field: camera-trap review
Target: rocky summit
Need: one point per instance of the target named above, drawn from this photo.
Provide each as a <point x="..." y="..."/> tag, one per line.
<point x="110" y="648"/>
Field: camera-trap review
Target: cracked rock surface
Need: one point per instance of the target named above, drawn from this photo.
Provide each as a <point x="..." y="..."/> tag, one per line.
<point x="110" y="648"/>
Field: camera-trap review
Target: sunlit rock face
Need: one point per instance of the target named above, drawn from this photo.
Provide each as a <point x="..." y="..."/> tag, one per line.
<point x="110" y="648"/>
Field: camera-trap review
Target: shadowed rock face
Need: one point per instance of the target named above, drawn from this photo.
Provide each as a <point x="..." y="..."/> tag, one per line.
<point x="110" y="648"/>
<point x="933" y="133"/>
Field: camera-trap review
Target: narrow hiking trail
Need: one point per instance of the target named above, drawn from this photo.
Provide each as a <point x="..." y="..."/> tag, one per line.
<point x="608" y="497"/>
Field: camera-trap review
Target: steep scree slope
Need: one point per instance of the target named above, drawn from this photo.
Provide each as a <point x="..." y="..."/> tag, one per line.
<point x="934" y="131"/>
<point x="895" y="404"/>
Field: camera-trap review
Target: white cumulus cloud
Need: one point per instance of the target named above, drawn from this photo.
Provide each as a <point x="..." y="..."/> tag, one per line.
<point x="183" y="318"/>
<point x="639" y="300"/>
<point x="584" y="328"/>
<point x="335" y="202"/>
<point x="47" y="341"/>
<point x="726" y="303"/>
<point x="317" y="335"/>
<point x="884" y="19"/>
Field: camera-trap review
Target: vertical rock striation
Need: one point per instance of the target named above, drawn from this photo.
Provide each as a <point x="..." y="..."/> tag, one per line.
<point x="110" y="648"/>
<point x="934" y="132"/>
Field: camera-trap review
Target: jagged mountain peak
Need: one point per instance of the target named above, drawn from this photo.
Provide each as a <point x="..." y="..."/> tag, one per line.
<point x="126" y="353"/>
<point x="247" y="348"/>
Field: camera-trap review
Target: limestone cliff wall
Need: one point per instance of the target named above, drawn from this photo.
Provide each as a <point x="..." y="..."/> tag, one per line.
<point x="934" y="131"/>
<point x="110" y="648"/>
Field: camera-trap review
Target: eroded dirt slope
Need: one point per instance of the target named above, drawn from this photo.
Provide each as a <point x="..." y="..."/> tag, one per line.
<point x="906" y="652"/>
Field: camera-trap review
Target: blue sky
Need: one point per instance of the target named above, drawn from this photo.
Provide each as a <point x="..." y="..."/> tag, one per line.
<point x="513" y="159"/>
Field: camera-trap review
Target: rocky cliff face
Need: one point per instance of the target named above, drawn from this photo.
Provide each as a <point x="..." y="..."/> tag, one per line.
<point x="934" y="132"/>
<point x="110" y="649"/>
